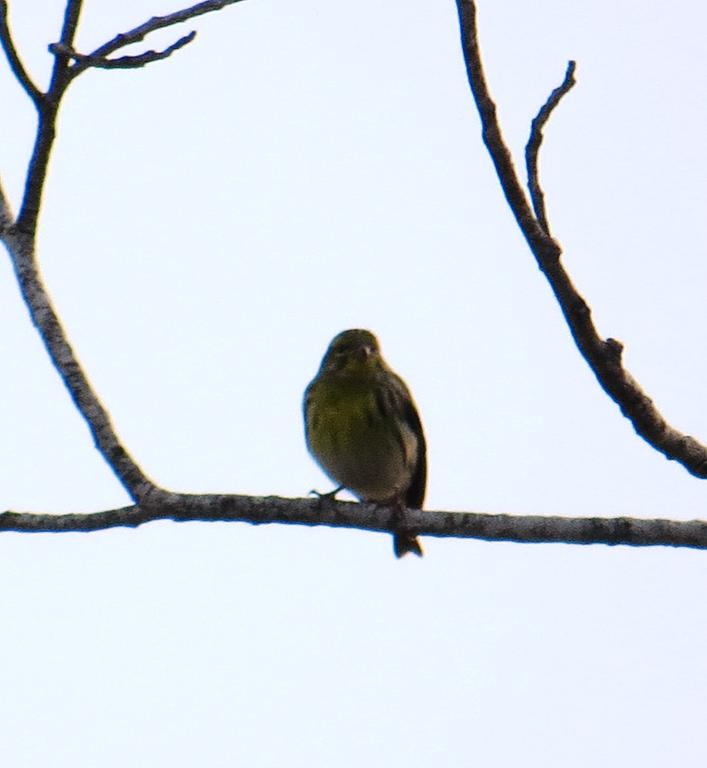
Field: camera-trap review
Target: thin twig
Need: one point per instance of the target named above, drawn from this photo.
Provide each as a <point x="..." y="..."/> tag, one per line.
<point x="71" y="21"/>
<point x="602" y="355"/>
<point x="371" y="517"/>
<point x="139" y="33"/>
<point x="13" y="58"/>
<point x="124" y="62"/>
<point x="532" y="148"/>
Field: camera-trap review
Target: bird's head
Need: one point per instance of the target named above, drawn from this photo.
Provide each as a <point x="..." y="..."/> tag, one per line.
<point x="352" y="352"/>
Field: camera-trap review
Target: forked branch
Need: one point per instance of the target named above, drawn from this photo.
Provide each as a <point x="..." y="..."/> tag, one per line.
<point x="139" y="33"/>
<point x="604" y="356"/>
<point x="19" y="235"/>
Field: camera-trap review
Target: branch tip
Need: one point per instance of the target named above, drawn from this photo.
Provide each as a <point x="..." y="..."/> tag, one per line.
<point x="532" y="149"/>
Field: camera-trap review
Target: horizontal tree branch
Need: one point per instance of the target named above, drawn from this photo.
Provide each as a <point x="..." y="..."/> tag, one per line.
<point x="370" y="517"/>
<point x="604" y="356"/>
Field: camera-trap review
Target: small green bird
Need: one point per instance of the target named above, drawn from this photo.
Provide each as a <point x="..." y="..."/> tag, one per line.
<point x="362" y="427"/>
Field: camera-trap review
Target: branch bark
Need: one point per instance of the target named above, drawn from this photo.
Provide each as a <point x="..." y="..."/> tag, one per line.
<point x="258" y="510"/>
<point x="604" y="356"/>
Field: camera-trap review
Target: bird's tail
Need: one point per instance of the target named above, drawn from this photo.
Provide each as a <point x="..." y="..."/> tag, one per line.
<point x="404" y="543"/>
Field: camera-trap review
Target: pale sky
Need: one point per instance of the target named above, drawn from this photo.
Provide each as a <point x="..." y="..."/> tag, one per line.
<point x="210" y="222"/>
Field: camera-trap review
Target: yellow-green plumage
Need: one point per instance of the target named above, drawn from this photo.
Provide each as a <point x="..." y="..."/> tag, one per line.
<point x="362" y="427"/>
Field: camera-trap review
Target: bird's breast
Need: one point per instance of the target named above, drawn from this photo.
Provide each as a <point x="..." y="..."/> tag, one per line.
<point x="370" y="453"/>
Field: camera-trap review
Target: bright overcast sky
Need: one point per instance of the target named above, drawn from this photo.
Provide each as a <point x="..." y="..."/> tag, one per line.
<point x="209" y="224"/>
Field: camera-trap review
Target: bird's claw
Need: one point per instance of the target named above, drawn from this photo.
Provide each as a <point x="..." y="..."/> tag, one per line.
<point x="324" y="497"/>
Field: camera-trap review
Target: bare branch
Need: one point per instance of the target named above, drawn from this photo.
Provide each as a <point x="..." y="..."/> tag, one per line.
<point x="71" y="21"/>
<point x="14" y="60"/>
<point x="37" y="171"/>
<point x="68" y="65"/>
<point x="20" y="237"/>
<point x="602" y="355"/>
<point x="60" y="74"/>
<point x="46" y="128"/>
<point x="490" y="129"/>
<point x="536" y="139"/>
<point x="371" y="517"/>
<point x="124" y="62"/>
<point x="139" y="33"/>
<point x="44" y="317"/>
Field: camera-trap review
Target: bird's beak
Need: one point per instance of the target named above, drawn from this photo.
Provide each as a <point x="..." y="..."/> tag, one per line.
<point x="364" y="353"/>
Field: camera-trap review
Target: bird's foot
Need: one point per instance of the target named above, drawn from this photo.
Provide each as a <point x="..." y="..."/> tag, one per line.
<point x="326" y="497"/>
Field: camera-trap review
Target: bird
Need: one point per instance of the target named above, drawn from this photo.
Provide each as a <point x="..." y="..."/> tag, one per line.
<point x="363" y="429"/>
